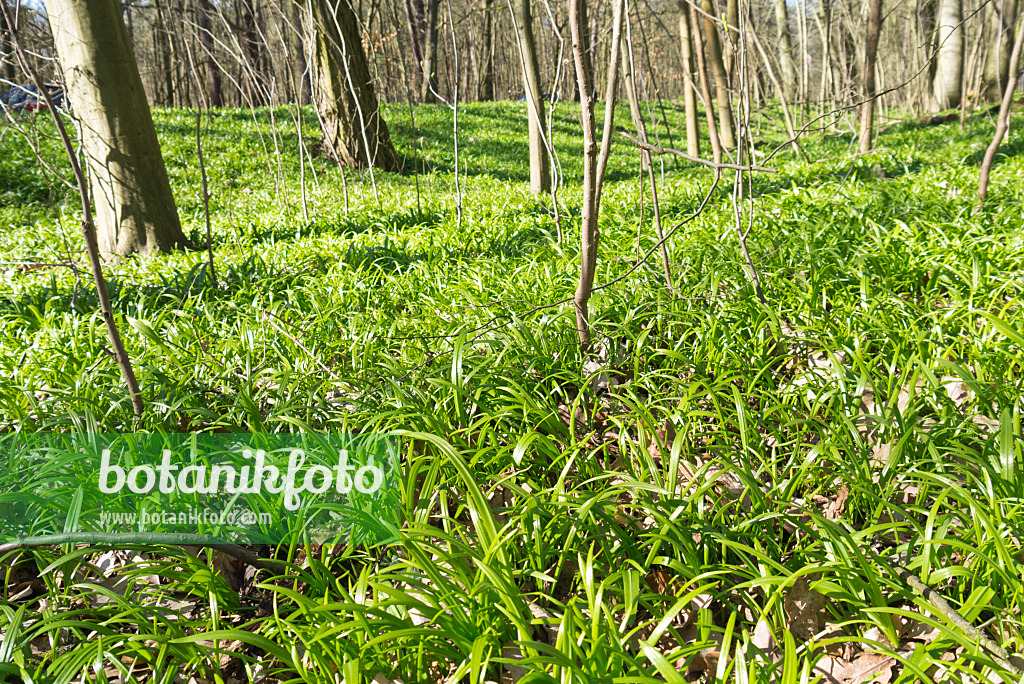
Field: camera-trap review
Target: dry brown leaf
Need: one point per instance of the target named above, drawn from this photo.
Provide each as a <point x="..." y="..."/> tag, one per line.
<point x="958" y="391"/>
<point x="805" y="609"/>
<point x="868" y="667"/>
<point x="837" y="506"/>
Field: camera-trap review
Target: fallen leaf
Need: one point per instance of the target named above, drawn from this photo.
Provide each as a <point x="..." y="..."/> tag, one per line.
<point x="804" y="608"/>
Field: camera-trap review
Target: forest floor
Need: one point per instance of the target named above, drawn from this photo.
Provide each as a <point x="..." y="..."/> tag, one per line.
<point x="728" y="490"/>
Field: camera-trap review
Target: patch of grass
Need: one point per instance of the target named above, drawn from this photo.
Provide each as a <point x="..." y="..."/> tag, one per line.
<point x="623" y="529"/>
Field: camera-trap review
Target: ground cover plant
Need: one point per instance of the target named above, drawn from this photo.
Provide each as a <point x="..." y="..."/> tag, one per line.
<point x="728" y="490"/>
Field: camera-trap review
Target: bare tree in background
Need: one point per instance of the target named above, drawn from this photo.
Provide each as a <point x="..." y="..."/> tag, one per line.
<point x="213" y="84"/>
<point x="540" y="173"/>
<point x="7" y="47"/>
<point x="134" y="204"/>
<point x="997" y="59"/>
<point x="949" y="60"/>
<point x="788" y="69"/>
<point x="726" y="126"/>
<point x="689" y="82"/>
<point x="867" y="110"/>
<point x="355" y="133"/>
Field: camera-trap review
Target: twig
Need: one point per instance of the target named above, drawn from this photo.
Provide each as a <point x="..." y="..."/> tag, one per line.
<point x="654" y="149"/>
<point x="146" y="539"/>
<point x="943" y="608"/>
<point x="206" y="197"/>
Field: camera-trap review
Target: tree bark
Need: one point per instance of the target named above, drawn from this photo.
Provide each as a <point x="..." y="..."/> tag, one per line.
<point x="429" y="59"/>
<point x="416" y="23"/>
<point x="134" y="205"/>
<point x="788" y="75"/>
<point x="213" y="85"/>
<point x="1004" y="116"/>
<point x="355" y="133"/>
<point x="997" y="61"/>
<point x="6" y="45"/>
<point x="689" y="84"/>
<point x="485" y="84"/>
<point x="297" y="53"/>
<point x="164" y="42"/>
<point x="705" y="88"/>
<point x="949" y="62"/>
<point x="726" y="126"/>
<point x="540" y="175"/>
<point x="867" y="109"/>
<point x="589" y="235"/>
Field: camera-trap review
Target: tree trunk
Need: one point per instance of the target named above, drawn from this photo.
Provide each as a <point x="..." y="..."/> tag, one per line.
<point x="429" y="60"/>
<point x="134" y="205"/>
<point x="355" y="133"/>
<point x="949" y="68"/>
<point x="416" y="23"/>
<point x="7" y="46"/>
<point x="1004" y="116"/>
<point x="732" y="37"/>
<point x="485" y="84"/>
<point x="788" y="75"/>
<point x="540" y="176"/>
<point x="726" y="127"/>
<point x="689" y="85"/>
<point x="588" y="229"/>
<point x="253" y="48"/>
<point x="867" y="110"/>
<point x="213" y="87"/>
<point x="295" y="31"/>
<point x="997" y="61"/>
<point x="164" y="42"/>
<point x="705" y="88"/>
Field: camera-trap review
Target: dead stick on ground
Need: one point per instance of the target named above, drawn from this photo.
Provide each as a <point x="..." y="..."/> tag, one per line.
<point x="88" y="227"/>
<point x="943" y="608"/>
<point x="145" y="539"/>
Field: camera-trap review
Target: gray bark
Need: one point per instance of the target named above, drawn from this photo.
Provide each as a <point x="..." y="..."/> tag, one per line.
<point x="213" y="85"/>
<point x="949" y="62"/>
<point x="997" y="60"/>
<point x="355" y="133"/>
<point x="134" y="206"/>
<point x="689" y="82"/>
<point x="867" y="110"/>
<point x="788" y="75"/>
<point x="540" y="174"/>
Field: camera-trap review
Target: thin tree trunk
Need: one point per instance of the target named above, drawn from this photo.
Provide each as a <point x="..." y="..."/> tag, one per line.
<point x="1004" y="116"/>
<point x="485" y="85"/>
<point x="726" y="126"/>
<point x="164" y="42"/>
<point x="950" y="59"/>
<point x="6" y="45"/>
<point x="588" y="229"/>
<point x="213" y="86"/>
<point x="88" y="227"/>
<point x="355" y="133"/>
<point x="540" y="174"/>
<point x="429" y="62"/>
<point x="867" y="110"/>
<point x="134" y="205"/>
<point x="788" y="74"/>
<point x="705" y="88"/>
<point x="416" y="22"/>
<point x="689" y="86"/>
<point x="997" y="62"/>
